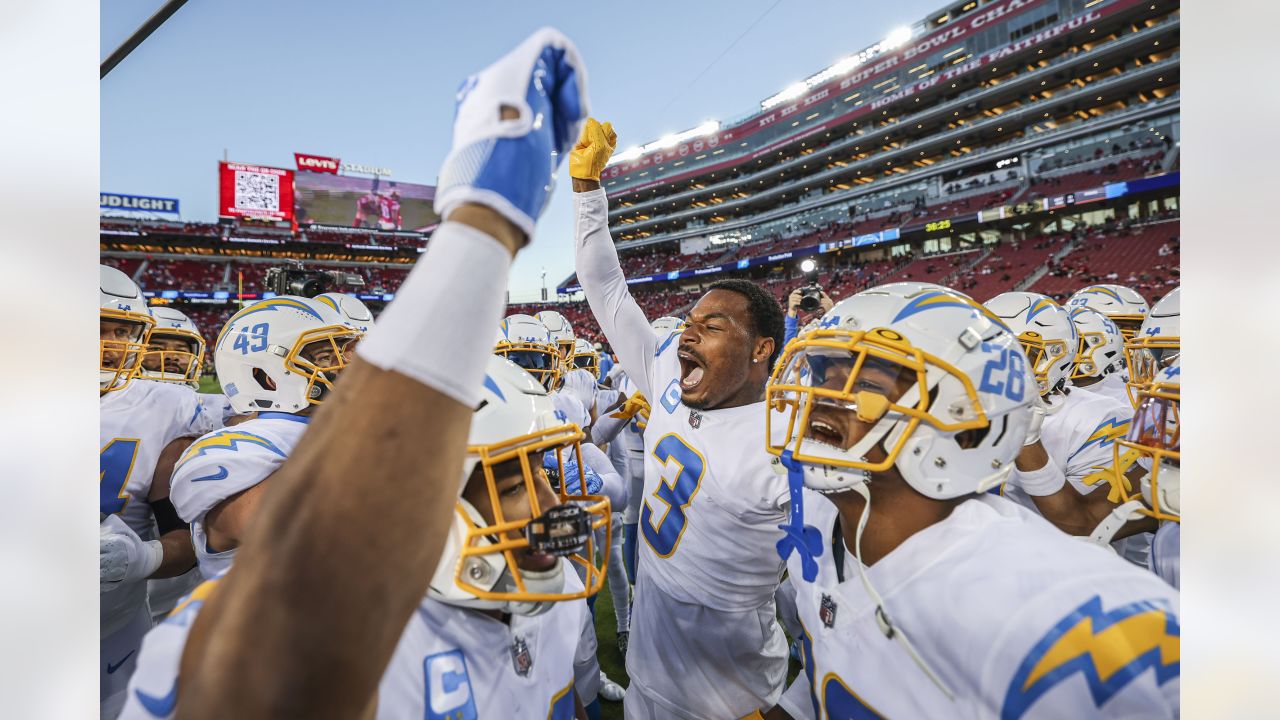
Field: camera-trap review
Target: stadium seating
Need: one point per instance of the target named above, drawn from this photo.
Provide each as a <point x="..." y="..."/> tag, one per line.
<point x="1145" y="258"/>
<point x="181" y="274"/>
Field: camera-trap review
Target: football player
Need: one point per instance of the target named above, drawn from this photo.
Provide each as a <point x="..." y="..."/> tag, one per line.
<point x="175" y="349"/>
<point x="278" y="360"/>
<point x="1063" y="465"/>
<point x="920" y="594"/>
<point x="398" y="426"/>
<point x="496" y="634"/>
<point x="561" y="331"/>
<point x="1100" y="361"/>
<point x="1157" y="345"/>
<point x="144" y="426"/>
<point x="585" y="357"/>
<point x="1153" y="443"/>
<point x="1124" y="306"/>
<point x="175" y="353"/>
<point x="353" y="312"/>
<point x="705" y="638"/>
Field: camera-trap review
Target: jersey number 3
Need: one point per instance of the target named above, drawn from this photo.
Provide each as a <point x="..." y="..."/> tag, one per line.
<point x="664" y="535"/>
<point x="114" y="463"/>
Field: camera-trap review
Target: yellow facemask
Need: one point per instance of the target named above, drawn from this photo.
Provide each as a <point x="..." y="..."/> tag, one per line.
<point x="535" y="531"/>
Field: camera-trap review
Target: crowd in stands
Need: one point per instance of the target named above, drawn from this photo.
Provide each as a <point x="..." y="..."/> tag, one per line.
<point x="1143" y="257"/>
<point x="1129" y="168"/>
<point x="181" y="274"/>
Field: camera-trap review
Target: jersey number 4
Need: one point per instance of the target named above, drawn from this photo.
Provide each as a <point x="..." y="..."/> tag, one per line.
<point x="114" y="464"/>
<point x="677" y="493"/>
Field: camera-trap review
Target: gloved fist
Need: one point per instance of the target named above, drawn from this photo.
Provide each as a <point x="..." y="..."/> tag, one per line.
<point x="594" y="148"/>
<point x="513" y="124"/>
<point x="123" y="557"/>
<point x="635" y="405"/>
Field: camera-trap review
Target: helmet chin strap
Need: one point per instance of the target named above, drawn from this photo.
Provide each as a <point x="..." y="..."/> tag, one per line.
<point x="882" y="616"/>
<point x="1116" y="519"/>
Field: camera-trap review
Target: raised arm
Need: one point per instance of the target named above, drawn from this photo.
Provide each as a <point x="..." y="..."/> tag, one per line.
<point x="596" y="259"/>
<point x="353" y="525"/>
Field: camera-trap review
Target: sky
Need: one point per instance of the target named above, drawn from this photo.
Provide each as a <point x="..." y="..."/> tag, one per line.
<point x="372" y="82"/>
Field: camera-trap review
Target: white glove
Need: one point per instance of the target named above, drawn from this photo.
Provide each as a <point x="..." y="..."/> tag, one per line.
<point x="123" y="557"/>
<point x="1038" y="412"/>
<point x="508" y="164"/>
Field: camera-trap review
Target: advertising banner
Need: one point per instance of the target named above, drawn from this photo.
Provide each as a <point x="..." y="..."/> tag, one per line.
<point x="255" y="191"/>
<point x="364" y="202"/>
<point x="114" y="202"/>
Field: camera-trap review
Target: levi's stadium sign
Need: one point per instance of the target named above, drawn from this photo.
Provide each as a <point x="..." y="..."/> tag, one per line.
<point x="316" y="163"/>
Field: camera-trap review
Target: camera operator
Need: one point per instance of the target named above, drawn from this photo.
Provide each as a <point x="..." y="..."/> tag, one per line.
<point x="810" y="299"/>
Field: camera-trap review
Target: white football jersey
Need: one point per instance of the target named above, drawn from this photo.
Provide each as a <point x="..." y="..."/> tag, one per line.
<point x="1018" y="619"/>
<point x="227" y="462"/>
<point x="217" y="405"/>
<point x="1079" y="438"/>
<point x="136" y="424"/>
<point x="709" y="518"/>
<point x="449" y="663"/>
<point x="570" y="408"/>
<point x="1112" y="386"/>
<point x="457" y="663"/>
<point x="1166" y="553"/>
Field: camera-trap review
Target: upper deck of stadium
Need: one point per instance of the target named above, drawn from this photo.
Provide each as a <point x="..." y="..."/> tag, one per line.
<point x="973" y="81"/>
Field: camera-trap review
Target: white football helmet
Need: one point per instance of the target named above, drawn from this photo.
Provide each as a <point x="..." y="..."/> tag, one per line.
<point x="513" y="425"/>
<point x="585" y="357"/>
<point x="1126" y="308"/>
<point x="1157" y="345"/>
<point x="125" y="323"/>
<point x="665" y="325"/>
<point x="167" y="363"/>
<point x="1101" y="349"/>
<point x="924" y="381"/>
<point x="1155" y="443"/>
<point x="560" y="329"/>
<point x="1046" y="332"/>
<point x="525" y="341"/>
<point x="952" y="424"/>
<point x="355" y="313"/>
<point x="281" y="354"/>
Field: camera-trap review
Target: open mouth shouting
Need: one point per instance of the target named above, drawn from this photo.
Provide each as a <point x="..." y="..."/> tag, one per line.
<point x="827" y="427"/>
<point x="692" y="369"/>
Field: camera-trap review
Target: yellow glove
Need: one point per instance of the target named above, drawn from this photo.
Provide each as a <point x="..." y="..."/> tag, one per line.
<point x="635" y="405"/>
<point x="593" y="150"/>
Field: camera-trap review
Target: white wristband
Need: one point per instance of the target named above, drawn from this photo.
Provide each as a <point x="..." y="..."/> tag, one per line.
<point x="441" y="326"/>
<point x="152" y="556"/>
<point x="1045" y="481"/>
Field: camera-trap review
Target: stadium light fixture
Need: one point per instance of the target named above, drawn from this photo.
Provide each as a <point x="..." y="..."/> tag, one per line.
<point x="792" y="92"/>
<point x="898" y="37"/>
<point x="666" y="141"/>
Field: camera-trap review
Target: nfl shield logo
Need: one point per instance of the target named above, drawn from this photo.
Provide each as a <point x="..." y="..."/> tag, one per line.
<point x="695" y="419"/>
<point x="520" y="657"/>
<point x="828" y="611"/>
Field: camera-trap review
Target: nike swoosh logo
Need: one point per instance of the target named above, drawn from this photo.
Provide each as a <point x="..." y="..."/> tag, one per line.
<point x="111" y="669"/>
<point x="159" y="706"/>
<point x="220" y="475"/>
